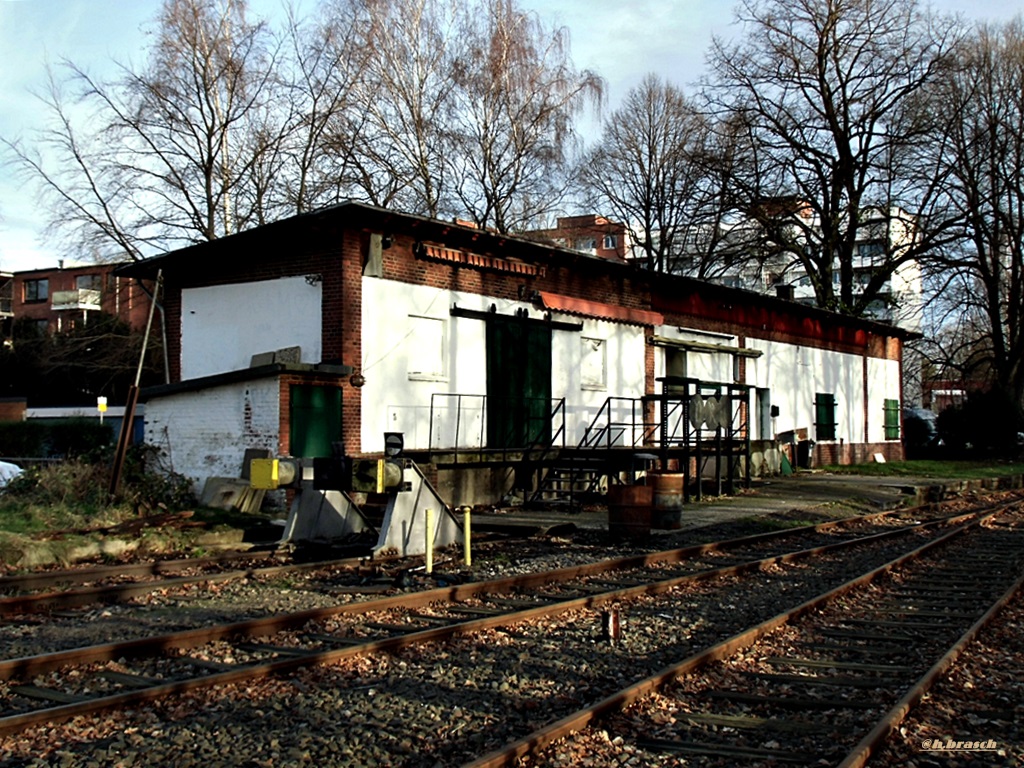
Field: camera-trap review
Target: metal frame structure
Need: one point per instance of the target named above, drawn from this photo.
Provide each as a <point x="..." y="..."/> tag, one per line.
<point x="690" y="423"/>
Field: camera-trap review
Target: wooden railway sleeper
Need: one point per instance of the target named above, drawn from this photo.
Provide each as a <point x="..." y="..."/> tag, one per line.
<point x="856" y="666"/>
<point x="727" y="751"/>
<point x="790" y="702"/>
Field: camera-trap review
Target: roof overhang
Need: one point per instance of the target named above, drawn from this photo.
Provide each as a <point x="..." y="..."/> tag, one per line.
<point x="599" y="310"/>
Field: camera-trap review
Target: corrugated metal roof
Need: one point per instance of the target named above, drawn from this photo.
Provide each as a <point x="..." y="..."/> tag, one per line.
<point x="587" y="308"/>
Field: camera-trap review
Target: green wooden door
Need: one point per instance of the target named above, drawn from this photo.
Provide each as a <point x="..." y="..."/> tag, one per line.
<point x="518" y="382"/>
<point x="315" y="420"/>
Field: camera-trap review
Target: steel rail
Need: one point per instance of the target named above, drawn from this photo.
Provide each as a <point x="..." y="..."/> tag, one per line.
<point x="892" y="719"/>
<point x="109" y="593"/>
<point x="191" y="638"/>
<point x="542" y="737"/>
<point x="42" y="579"/>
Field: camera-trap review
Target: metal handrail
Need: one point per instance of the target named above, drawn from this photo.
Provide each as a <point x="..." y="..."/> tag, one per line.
<point x="541" y="432"/>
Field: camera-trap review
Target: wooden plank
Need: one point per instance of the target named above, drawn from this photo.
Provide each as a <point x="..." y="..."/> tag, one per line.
<point x="280" y="650"/>
<point x="391" y="628"/>
<point x="912" y="611"/>
<point x="857" y="650"/>
<point x="752" y="722"/>
<point x="866" y="636"/>
<point x="441" y="621"/>
<point x="475" y="611"/>
<point x="514" y="603"/>
<point x="835" y="681"/>
<point x="335" y="639"/>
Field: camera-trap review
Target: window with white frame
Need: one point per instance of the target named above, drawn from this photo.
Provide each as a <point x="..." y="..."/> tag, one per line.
<point x="594" y="363"/>
<point x="427" y="349"/>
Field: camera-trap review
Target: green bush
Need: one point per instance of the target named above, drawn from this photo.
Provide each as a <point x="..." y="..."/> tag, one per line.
<point x="25" y="439"/>
<point x="78" y="489"/>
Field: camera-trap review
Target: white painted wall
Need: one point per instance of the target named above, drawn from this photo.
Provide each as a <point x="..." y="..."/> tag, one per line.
<point x="883" y="384"/>
<point x="399" y="320"/>
<point x="205" y="433"/>
<point x="706" y="366"/>
<point x="223" y="326"/>
<point x="795" y="374"/>
<point x="621" y="349"/>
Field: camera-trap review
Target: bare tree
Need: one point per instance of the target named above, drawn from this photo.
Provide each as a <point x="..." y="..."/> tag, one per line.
<point x="514" y="122"/>
<point x="824" y="88"/>
<point x="167" y="161"/>
<point x="647" y="168"/>
<point x="432" y="106"/>
<point x="407" y="102"/>
<point x="979" y="157"/>
<point x="310" y="160"/>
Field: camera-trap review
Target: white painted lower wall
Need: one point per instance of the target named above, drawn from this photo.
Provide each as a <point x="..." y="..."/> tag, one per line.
<point x="205" y="433"/>
<point x="883" y="384"/>
<point x="795" y="374"/>
<point x="223" y="326"/>
<point x="414" y="349"/>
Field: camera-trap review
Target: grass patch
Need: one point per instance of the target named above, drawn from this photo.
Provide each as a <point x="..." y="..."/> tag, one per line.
<point x="953" y="470"/>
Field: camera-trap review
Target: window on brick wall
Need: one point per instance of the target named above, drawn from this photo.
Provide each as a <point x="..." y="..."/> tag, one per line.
<point x="37" y="290"/>
<point x="427" y="349"/>
<point x="825" y="416"/>
<point x="892" y="419"/>
<point x="89" y="282"/>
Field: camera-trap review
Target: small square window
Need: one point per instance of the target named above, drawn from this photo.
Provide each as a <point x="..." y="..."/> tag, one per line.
<point x="610" y="242"/>
<point x="594" y="363"/>
<point x="427" y="349"/>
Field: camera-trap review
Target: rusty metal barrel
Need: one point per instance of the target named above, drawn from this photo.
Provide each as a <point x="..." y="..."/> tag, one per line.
<point x="629" y="510"/>
<point x="667" y="504"/>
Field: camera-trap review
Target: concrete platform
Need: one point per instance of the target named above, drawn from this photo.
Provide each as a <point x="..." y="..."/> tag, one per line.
<point x="808" y="496"/>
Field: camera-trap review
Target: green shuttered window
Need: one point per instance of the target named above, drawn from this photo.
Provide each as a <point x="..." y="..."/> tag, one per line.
<point x="825" y="416"/>
<point x="892" y="419"/>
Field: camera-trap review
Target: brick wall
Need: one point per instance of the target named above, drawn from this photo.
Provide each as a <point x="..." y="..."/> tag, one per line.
<point x="855" y="453"/>
<point x="205" y="433"/>
<point x="12" y="408"/>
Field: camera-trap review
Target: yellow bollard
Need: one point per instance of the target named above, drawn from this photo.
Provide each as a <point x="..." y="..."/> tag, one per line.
<point x="467" y="536"/>
<point x="430" y="540"/>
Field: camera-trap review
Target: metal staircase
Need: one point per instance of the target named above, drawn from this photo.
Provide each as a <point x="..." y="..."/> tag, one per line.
<point x="610" y="445"/>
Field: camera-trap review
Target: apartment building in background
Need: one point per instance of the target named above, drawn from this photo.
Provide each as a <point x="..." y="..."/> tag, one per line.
<point x="61" y="298"/>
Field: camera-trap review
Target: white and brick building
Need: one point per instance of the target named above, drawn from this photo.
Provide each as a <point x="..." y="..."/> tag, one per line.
<point x="333" y="327"/>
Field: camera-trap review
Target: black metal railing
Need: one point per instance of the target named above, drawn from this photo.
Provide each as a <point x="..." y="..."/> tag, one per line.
<point x="464" y="425"/>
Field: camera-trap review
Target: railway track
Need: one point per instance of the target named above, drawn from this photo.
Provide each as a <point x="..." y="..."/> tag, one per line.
<point x="61" y="590"/>
<point x="656" y="588"/>
<point x="823" y="683"/>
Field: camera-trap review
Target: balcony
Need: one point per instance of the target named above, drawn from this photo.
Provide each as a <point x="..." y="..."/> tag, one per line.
<point x="81" y="298"/>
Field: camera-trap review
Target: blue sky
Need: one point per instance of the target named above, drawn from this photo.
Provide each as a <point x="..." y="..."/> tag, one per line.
<point x="621" y="39"/>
